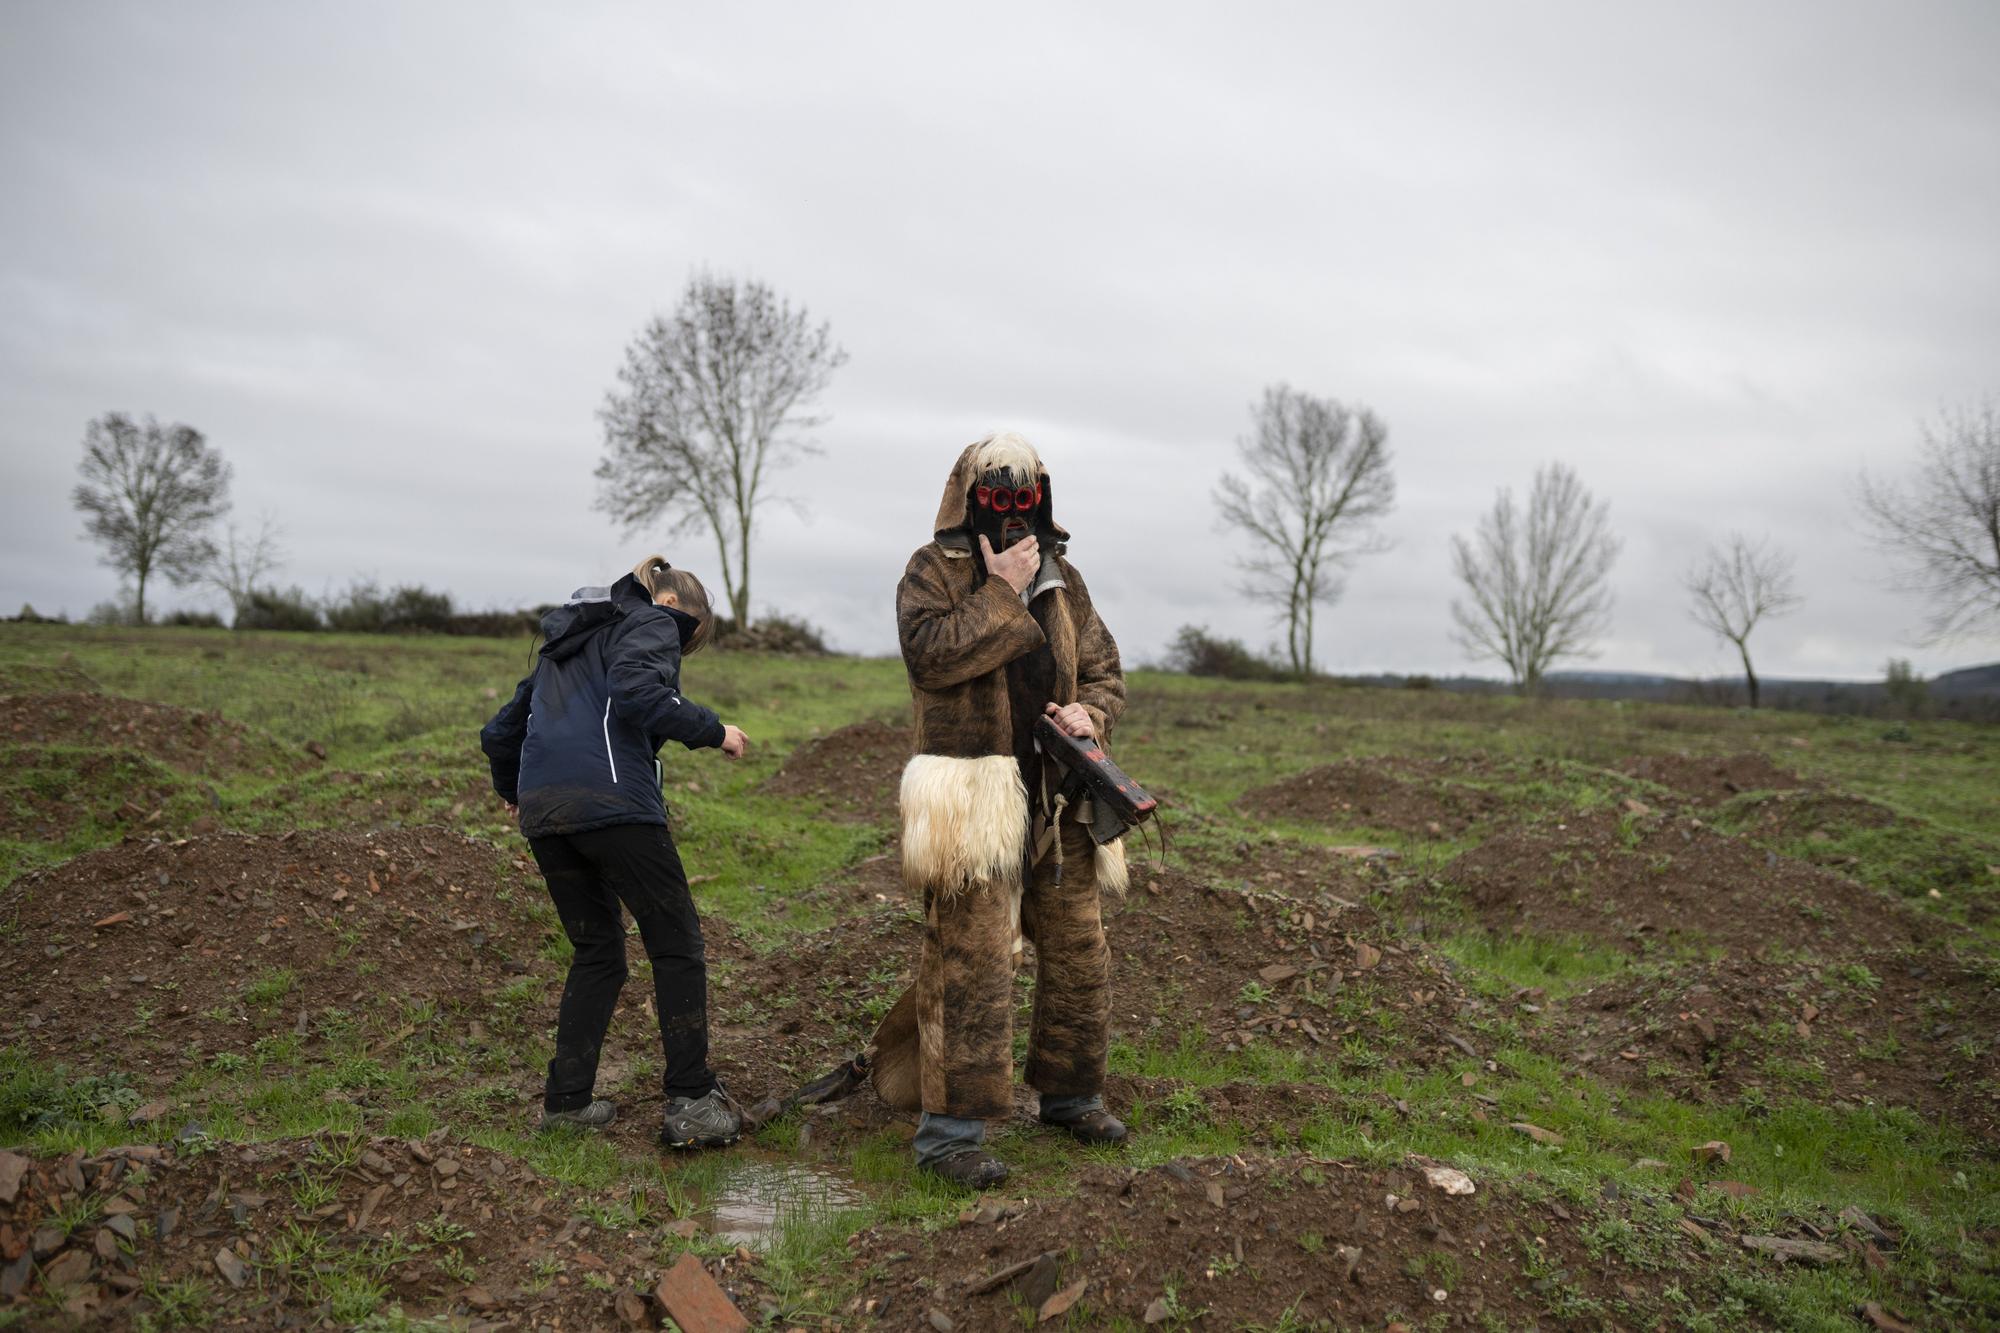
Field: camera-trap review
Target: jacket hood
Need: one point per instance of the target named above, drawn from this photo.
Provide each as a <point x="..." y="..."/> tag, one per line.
<point x="1003" y="450"/>
<point x="568" y="627"/>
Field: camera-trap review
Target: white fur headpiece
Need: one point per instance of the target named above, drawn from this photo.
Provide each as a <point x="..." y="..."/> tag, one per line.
<point x="1005" y="449"/>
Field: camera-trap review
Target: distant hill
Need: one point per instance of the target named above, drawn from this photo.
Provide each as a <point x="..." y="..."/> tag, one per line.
<point x="1969" y="694"/>
<point x="1979" y="680"/>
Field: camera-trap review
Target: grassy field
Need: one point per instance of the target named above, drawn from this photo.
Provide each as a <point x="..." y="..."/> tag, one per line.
<point x="1559" y="947"/>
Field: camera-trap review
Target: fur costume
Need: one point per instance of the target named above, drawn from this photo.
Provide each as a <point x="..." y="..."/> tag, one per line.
<point x="969" y="819"/>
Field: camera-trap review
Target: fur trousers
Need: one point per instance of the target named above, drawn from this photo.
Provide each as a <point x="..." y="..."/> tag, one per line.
<point x="965" y="984"/>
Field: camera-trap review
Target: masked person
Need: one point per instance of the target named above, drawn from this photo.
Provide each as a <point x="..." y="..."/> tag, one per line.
<point x="572" y="754"/>
<point x="997" y="630"/>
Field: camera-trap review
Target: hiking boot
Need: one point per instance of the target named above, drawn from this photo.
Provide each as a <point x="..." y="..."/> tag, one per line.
<point x="1094" y="1126"/>
<point x="594" y="1116"/>
<point x="972" y="1168"/>
<point x="710" y="1121"/>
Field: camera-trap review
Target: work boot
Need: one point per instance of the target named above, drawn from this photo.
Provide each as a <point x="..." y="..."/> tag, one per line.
<point x="972" y="1168"/>
<point x="594" y="1116"/>
<point x="710" y="1121"/>
<point x="1096" y="1125"/>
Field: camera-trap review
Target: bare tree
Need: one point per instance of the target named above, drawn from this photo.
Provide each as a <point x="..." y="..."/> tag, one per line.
<point x="1735" y="586"/>
<point x="148" y="495"/>
<point x="1319" y="479"/>
<point x="1537" y="583"/>
<point x="1944" y="522"/>
<point x="709" y="398"/>
<point x="245" y="560"/>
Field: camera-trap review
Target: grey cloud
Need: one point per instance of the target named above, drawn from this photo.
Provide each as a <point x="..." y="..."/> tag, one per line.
<point x="1717" y="257"/>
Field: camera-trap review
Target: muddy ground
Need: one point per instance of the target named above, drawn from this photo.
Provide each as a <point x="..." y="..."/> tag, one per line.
<point x="314" y="1233"/>
<point x="1754" y="978"/>
<point x="1658" y="883"/>
<point x="1711" y="779"/>
<point x="128" y="957"/>
<point x="1376" y="794"/>
<point x="180" y="738"/>
<point x="853" y="773"/>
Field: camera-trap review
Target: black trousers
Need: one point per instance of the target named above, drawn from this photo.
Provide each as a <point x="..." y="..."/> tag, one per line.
<point x="589" y="875"/>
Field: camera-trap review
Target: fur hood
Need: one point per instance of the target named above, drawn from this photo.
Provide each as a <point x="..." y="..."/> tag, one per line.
<point x="1003" y="449"/>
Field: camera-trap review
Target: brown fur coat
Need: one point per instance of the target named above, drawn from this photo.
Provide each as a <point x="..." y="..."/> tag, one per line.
<point x="959" y="629"/>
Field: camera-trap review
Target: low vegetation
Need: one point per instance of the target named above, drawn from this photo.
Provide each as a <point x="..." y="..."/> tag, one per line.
<point x="273" y="952"/>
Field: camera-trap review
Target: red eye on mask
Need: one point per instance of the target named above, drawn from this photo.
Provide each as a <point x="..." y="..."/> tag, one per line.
<point x="1001" y="500"/>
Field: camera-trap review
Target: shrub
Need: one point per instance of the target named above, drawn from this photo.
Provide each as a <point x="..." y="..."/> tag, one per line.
<point x="270" y="608"/>
<point x="773" y="634"/>
<point x="1909" y="694"/>
<point x="29" y="616"/>
<point x="413" y="609"/>
<point x="1196" y="652"/>
<point x="119" y="613"/>
<point x="194" y="620"/>
<point x="357" y="611"/>
<point x="493" y="624"/>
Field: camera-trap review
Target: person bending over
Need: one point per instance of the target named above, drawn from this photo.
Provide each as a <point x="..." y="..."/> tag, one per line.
<point x="573" y="755"/>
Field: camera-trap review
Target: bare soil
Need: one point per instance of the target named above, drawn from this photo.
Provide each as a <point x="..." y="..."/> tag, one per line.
<point x="1369" y="793"/>
<point x="1919" y="1030"/>
<point x="1712" y="779"/>
<point x="1225" y="968"/>
<point x="188" y="930"/>
<point x="1644" y="883"/>
<point x="59" y="788"/>
<point x="450" y="1230"/>
<point x="854" y="773"/>
<point x="1359" y="1247"/>
<point x="180" y="738"/>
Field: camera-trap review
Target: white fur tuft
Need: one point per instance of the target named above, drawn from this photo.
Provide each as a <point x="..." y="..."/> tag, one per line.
<point x="1112" y="876"/>
<point x="1005" y="449"/>
<point x="965" y="821"/>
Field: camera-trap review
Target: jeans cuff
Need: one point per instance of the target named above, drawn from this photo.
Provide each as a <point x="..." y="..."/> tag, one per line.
<point x="1061" y="1110"/>
<point x="942" y="1136"/>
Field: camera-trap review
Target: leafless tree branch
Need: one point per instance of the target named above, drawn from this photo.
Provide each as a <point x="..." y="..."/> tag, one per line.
<point x="709" y="407"/>
<point x="149" y="495"/>
<point x="245" y="560"/>
<point x="1319" y="479"/>
<point x="1942" y="524"/>
<point x="1537" y="583"/>
<point x="1735" y="586"/>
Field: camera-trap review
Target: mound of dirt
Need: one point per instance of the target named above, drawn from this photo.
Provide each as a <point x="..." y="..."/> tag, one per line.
<point x="854" y="772"/>
<point x="1239" y="966"/>
<point x="1812" y="814"/>
<point x="1286" y="1242"/>
<point x="193" y="742"/>
<point x="1228" y="968"/>
<point x="1711" y="779"/>
<point x="1639" y="884"/>
<point x="128" y="954"/>
<point x="58" y="789"/>
<point x="1920" y="1030"/>
<point x="295" y="1232"/>
<point x="1365" y="793"/>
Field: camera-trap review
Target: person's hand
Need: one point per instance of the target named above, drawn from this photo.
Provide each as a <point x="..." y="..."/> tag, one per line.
<point x="1017" y="564"/>
<point x="1073" y="719"/>
<point x="734" y="742"/>
<point x="513" y="811"/>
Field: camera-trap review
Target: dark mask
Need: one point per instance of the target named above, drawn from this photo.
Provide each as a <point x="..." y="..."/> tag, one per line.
<point x="1004" y="512"/>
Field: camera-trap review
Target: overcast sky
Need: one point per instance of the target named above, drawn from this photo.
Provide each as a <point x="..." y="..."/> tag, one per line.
<point x="1716" y="257"/>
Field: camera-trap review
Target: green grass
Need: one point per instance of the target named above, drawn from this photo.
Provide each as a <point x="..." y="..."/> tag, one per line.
<point x="400" y="714"/>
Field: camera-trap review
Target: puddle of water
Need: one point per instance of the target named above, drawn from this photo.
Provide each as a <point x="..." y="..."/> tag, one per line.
<point x="761" y="1198"/>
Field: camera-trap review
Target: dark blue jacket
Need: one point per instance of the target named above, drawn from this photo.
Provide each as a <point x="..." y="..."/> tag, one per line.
<point x="574" y="747"/>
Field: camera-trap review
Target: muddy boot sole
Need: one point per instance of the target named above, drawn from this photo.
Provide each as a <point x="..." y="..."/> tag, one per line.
<point x="972" y="1169"/>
